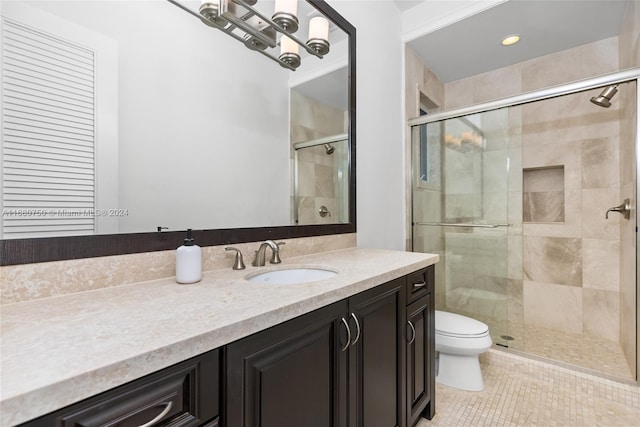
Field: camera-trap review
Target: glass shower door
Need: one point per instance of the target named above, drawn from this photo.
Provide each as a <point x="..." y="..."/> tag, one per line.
<point x="461" y="212"/>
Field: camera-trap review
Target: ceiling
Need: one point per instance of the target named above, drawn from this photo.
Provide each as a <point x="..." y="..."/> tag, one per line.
<point x="472" y="46"/>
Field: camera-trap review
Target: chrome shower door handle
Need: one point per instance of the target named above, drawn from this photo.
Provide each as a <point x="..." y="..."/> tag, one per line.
<point x="624" y="209"/>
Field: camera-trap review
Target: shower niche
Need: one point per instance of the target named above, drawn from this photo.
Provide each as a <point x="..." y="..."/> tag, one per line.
<point x="543" y="197"/>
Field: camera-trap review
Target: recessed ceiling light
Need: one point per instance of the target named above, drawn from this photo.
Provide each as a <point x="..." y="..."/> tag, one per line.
<point x="509" y="40"/>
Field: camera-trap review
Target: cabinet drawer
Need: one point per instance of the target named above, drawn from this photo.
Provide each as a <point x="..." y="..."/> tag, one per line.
<point x="419" y="284"/>
<point x="186" y="394"/>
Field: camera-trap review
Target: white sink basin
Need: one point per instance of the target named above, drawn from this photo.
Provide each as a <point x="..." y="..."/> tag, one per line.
<point x="290" y="276"/>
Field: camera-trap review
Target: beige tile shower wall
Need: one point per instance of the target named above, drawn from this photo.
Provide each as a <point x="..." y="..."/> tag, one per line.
<point x="576" y="261"/>
<point x="629" y="51"/>
<point x="43" y="280"/>
<point x="311" y="119"/>
<point x="550" y="70"/>
<point x="585" y="139"/>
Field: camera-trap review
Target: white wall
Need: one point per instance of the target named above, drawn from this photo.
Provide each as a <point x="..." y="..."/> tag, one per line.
<point x="379" y="143"/>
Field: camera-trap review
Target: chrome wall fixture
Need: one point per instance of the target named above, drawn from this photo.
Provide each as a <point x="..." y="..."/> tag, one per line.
<point x="604" y="99"/>
<point x="259" y="32"/>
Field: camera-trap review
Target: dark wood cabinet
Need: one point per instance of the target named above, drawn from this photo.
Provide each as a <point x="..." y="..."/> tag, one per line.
<point x="186" y="394"/>
<point x="337" y="366"/>
<point x="375" y="368"/>
<point x="420" y="355"/>
<point x="293" y="374"/>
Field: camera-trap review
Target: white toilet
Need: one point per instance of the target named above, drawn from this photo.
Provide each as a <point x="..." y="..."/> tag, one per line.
<point x="459" y="340"/>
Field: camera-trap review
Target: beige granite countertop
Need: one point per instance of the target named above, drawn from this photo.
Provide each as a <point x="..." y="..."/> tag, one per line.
<point x="60" y="350"/>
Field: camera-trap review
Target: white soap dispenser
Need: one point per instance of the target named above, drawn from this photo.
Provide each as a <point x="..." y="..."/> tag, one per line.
<point x="188" y="261"/>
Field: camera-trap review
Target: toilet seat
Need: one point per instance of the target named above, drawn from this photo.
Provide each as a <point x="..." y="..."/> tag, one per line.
<point x="457" y="326"/>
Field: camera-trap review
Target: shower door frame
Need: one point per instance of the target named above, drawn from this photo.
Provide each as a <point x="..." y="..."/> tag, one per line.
<point x="628" y="75"/>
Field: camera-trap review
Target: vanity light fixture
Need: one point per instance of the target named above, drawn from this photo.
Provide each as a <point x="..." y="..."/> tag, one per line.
<point x="245" y="23"/>
<point x="511" y="40"/>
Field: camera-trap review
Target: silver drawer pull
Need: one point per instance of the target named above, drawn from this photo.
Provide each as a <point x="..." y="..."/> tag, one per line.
<point x="413" y="329"/>
<point x="419" y="285"/>
<point x="160" y="415"/>
<point x="358" y="330"/>
<point x="346" y="325"/>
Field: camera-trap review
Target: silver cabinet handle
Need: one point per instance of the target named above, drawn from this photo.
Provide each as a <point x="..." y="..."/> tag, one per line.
<point x="358" y="329"/>
<point x="413" y="329"/>
<point x="346" y="325"/>
<point x="419" y="285"/>
<point x="160" y="415"/>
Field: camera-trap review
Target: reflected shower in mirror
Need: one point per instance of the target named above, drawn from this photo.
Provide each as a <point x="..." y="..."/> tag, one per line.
<point x="319" y="125"/>
<point x="321" y="181"/>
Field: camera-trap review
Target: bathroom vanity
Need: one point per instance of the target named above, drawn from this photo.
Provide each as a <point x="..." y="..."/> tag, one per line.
<point x="356" y="349"/>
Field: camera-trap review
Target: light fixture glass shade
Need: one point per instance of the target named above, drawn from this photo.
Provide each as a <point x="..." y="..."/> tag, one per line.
<point x="289" y="52"/>
<point x="319" y="35"/>
<point x="288" y="46"/>
<point x="286" y="6"/>
<point x="284" y="14"/>
<point x="319" y="28"/>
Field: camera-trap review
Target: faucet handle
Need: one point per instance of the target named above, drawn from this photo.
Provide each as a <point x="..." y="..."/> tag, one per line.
<point x="239" y="262"/>
<point x="275" y="257"/>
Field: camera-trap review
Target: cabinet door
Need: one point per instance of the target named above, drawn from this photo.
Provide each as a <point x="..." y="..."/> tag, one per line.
<point x="294" y="374"/>
<point x="376" y="356"/>
<point x="419" y="358"/>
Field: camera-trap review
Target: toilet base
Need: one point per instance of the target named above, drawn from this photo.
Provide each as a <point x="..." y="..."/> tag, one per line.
<point x="461" y="372"/>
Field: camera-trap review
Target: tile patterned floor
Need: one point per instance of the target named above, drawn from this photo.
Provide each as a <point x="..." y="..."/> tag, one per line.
<point x="581" y="350"/>
<point x="524" y="392"/>
<point x="577" y="349"/>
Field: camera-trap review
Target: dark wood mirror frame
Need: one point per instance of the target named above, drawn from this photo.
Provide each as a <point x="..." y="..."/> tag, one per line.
<point x="26" y="251"/>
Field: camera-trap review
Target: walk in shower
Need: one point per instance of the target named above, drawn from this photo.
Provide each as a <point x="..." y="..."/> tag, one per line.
<point x="513" y="195"/>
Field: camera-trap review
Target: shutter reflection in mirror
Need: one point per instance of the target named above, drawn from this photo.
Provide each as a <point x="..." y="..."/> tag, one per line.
<point x="51" y="139"/>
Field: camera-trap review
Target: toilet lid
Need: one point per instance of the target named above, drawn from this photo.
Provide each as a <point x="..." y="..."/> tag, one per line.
<point x="456" y="325"/>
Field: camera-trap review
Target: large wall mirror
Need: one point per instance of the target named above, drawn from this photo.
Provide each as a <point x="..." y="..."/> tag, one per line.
<point x="126" y="122"/>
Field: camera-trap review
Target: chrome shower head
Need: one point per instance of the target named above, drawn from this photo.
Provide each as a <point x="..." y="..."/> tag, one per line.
<point x="604" y="99"/>
<point x="329" y="149"/>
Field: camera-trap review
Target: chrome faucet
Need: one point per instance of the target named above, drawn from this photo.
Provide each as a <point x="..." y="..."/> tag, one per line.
<point x="239" y="262"/>
<point x="260" y="256"/>
<point x="624" y="209"/>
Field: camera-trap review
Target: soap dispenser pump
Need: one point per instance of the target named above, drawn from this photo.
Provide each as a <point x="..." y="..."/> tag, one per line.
<point x="188" y="261"/>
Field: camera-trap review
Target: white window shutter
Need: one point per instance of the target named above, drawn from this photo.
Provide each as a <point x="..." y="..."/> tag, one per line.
<point x="48" y="135"/>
